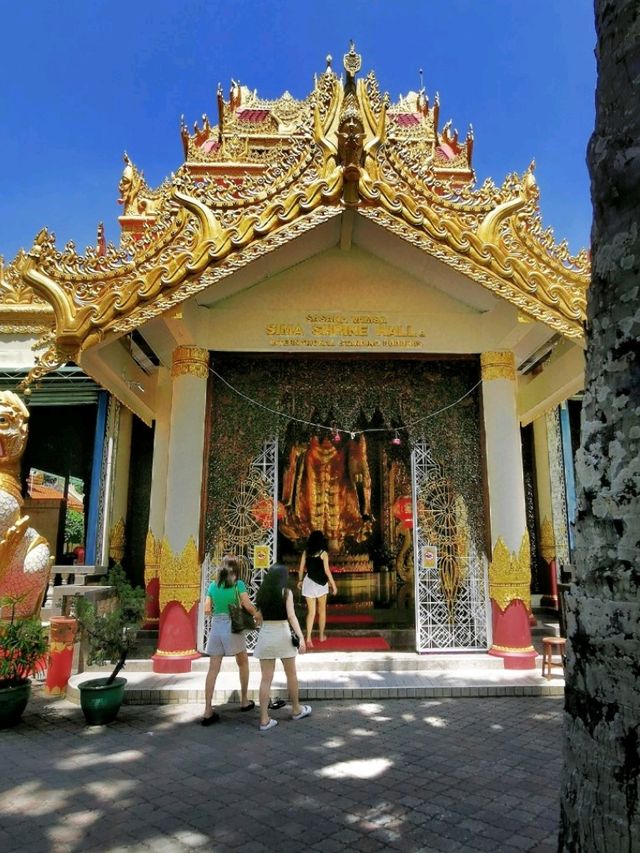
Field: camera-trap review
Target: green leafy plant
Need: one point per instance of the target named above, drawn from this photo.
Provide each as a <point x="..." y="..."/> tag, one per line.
<point x="23" y="646"/>
<point x="110" y="634"/>
<point x="74" y="527"/>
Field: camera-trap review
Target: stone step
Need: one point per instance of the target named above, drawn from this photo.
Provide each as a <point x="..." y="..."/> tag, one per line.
<point x="145" y="687"/>
<point x="349" y="662"/>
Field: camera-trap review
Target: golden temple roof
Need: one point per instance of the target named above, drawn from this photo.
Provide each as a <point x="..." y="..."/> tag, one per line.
<point x="270" y="170"/>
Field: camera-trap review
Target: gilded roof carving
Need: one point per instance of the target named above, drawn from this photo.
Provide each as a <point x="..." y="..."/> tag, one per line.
<point x="270" y="170"/>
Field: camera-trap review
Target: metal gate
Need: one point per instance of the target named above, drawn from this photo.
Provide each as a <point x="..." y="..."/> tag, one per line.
<point x="450" y="576"/>
<point x="250" y="522"/>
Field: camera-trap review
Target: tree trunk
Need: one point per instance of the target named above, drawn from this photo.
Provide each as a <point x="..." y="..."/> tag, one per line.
<point x="600" y="809"/>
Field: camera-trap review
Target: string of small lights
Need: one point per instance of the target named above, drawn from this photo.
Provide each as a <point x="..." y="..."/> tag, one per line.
<point x="336" y="431"/>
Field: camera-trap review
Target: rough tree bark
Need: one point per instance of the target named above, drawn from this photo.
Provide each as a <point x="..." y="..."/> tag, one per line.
<point x="600" y="808"/>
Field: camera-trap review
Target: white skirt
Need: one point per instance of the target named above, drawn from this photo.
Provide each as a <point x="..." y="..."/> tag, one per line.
<point x="274" y="641"/>
<point x="311" y="589"/>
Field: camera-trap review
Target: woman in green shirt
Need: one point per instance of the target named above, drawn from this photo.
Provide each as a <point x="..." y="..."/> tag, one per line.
<point x="222" y="641"/>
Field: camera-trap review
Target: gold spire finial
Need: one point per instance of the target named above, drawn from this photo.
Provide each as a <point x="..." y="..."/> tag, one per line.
<point x="329" y="60"/>
<point x="101" y="241"/>
<point x="421" y="78"/>
<point x="352" y="61"/>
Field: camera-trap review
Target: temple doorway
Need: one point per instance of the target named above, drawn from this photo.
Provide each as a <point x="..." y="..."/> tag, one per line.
<point x="302" y="444"/>
<point x="356" y="489"/>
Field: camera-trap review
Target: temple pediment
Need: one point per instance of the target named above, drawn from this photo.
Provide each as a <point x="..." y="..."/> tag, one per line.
<point x="269" y="174"/>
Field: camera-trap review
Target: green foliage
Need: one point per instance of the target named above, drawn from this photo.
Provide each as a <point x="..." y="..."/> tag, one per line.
<point x="23" y="645"/>
<point x="74" y="527"/>
<point x="109" y="634"/>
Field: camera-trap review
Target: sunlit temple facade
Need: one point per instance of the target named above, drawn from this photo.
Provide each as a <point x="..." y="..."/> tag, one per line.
<point x="319" y="321"/>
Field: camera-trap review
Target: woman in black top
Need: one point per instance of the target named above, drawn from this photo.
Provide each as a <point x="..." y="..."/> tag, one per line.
<point x="275" y="602"/>
<point x="314" y="568"/>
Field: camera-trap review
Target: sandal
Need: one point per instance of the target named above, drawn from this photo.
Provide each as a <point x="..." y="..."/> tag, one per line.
<point x="248" y="707"/>
<point x="209" y="721"/>
<point x="276" y="703"/>
<point x="270" y="725"/>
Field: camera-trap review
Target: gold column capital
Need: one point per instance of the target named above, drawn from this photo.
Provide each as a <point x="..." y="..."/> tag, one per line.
<point x="190" y="361"/>
<point x="498" y="365"/>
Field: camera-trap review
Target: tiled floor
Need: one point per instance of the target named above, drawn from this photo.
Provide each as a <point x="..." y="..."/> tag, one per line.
<point x="410" y="774"/>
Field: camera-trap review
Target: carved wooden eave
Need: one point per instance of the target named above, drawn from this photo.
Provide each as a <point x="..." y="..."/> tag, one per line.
<point x="248" y="187"/>
<point x="22" y="312"/>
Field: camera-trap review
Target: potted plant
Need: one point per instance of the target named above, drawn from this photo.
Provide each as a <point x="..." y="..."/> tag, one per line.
<point x="23" y="646"/>
<point x="108" y="638"/>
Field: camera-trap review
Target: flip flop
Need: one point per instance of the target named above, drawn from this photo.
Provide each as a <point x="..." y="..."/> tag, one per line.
<point x="274" y="704"/>
<point x="209" y="721"/>
<point x="248" y="707"/>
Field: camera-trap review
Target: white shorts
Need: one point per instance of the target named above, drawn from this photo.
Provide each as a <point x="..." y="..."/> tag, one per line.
<point x="222" y="641"/>
<point x="311" y="589"/>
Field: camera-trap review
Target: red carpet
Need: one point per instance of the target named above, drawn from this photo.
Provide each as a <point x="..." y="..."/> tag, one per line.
<point x="351" y="644"/>
<point x="346" y="618"/>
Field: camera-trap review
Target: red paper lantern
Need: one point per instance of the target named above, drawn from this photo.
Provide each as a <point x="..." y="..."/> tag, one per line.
<point x="262" y="511"/>
<point x="403" y="511"/>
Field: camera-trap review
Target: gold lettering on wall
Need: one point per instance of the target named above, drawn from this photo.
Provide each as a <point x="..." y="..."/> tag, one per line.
<point x="344" y="330"/>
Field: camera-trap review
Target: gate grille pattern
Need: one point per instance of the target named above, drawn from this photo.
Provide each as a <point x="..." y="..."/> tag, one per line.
<point x="242" y="529"/>
<point x="450" y="590"/>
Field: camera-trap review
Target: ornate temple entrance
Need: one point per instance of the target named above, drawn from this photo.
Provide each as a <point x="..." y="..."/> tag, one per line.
<point x="341" y="456"/>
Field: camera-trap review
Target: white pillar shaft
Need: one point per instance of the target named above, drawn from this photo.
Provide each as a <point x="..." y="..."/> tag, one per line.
<point x="543" y="477"/>
<point x="503" y="451"/>
<point x="158" y="499"/>
<point x="121" y="475"/>
<point x="186" y="451"/>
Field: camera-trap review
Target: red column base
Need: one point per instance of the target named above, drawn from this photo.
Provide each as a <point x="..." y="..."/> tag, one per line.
<point x="152" y="608"/>
<point x="62" y="639"/>
<point x="515" y="659"/>
<point x="173" y="663"/>
<point x="512" y="636"/>
<point x="177" y="639"/>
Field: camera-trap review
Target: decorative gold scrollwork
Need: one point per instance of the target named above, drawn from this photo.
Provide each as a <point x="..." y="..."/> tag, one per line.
<point x="152" y="549"/>
<point x="344" y="145"/>
<point x="547" y="541"/>
<point x="510" y="574"/>
<point x="497" y="365"/>
<point x="190" y="361"/>
<point x="117" y="541"/>
<point x="179" y="575"/>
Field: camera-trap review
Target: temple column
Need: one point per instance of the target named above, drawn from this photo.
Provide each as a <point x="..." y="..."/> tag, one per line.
<point x="158" y="498"/>
<point x="510" y="568"/>
<point x="179" y="570"/>
<point x="544" y="512"/>
<point x="120" y="497"/>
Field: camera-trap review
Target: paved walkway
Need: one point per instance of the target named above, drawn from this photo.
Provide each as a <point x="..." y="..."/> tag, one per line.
<point x="412" y="774"/>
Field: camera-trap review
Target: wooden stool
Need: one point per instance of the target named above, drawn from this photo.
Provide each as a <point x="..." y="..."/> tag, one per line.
<point x="551" y="646"/>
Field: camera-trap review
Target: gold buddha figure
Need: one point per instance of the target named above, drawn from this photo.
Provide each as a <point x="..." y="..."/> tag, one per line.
<point x="327" y="487"/>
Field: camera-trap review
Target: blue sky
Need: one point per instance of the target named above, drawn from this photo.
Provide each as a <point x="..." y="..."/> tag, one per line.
<point x="85" y="80"/>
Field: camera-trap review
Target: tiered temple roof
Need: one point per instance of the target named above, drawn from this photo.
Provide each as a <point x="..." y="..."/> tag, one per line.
<point x="271" y="170"/>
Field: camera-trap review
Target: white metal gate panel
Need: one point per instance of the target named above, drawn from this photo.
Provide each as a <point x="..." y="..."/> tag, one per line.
<point x="450" y="577"/>
<point x="244" y="528"/>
